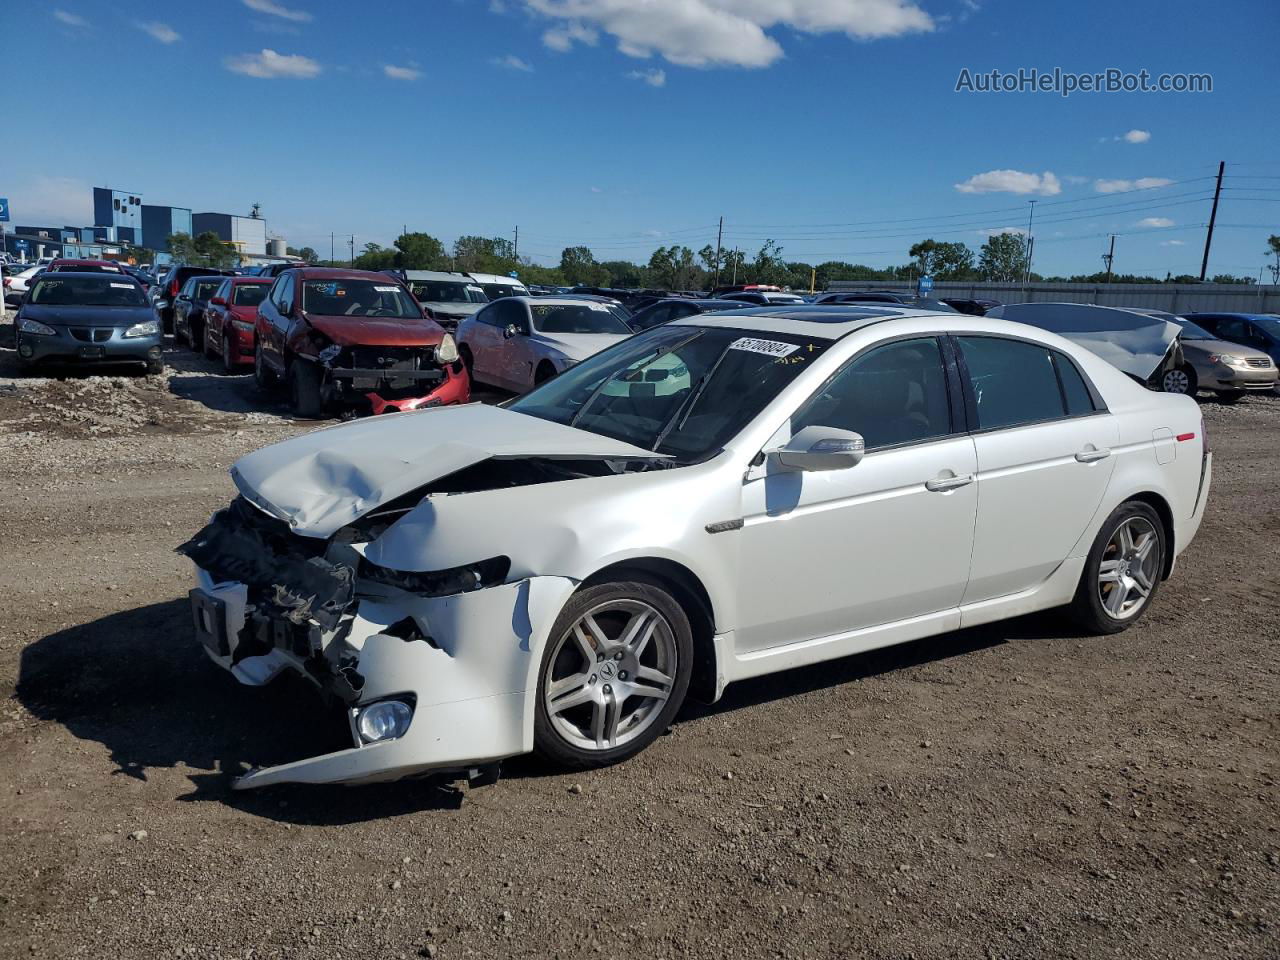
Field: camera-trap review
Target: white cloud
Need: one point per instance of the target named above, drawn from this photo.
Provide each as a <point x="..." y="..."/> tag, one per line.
<point x="596" y="190"/>
<point x="654" y="78"/>
<point x="701" y="33"/>
<point x="278" y="10"/>
<point x="512" y="62"/>
<point x="497" y="6"/>
<point x="401" y="73"/>
<point x="562" y="39"/>
<point x="1075" y="180"/>
<point x="70" y="19"/>
<point x="1012" y="181"/>
<point x="160" y="31"/>
<point x="998" y="231"/>
<point x="1119" y="186"/>
<point x="1173" y="243"/>
<point x="268" y="65"/>
<point x="1136" y="136"/>
<point x="1154" y="222"/>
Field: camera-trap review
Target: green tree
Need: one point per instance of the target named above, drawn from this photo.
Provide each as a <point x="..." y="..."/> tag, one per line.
<point x="578" y="265"/>
<point x="943" y="261"/>
<point x="375" y="257"/>
<point x="1273" y="249"/>
<point x="1003" y="258"/>
<point x="624" y="273"/>
<point x="308" y="254"/>
<point x="484" y="255"/>
<point x="768" y="266"/>
<point x="420" y="251"/>
<point x="733" y="269"/>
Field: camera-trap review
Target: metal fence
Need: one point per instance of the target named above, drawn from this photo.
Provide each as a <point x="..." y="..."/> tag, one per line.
<point x="1172" y="297"/>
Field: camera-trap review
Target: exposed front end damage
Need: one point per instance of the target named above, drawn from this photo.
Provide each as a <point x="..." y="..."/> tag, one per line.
<point x="389" y="379"/>
<point x="457" y="648"/>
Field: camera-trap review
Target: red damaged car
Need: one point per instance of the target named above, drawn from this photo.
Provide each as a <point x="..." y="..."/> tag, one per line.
<point x="230" y="318"/>
<point x="353" y="340"/>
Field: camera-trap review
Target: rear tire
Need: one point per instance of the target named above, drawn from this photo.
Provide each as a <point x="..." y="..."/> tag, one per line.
<point x="1123" y="570"/>
<point x="227" y="365"/>
<point x="263" y="375"/>
<point x="155" y="367"/>
<point x="605" y="694"/>
<point x="209" y="352"/>
<point x="304" y="388"/>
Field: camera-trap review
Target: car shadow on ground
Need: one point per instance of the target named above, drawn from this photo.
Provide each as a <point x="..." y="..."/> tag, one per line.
<point x="195" y="377"/>
<point x="138" y="683"/>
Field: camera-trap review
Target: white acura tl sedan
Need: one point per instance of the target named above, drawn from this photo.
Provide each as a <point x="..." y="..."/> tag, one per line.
<point x="716" y="498"/>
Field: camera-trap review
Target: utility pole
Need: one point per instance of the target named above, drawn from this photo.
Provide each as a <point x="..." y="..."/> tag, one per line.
<point x="331" y="247"/>
<point x="515" y="247"/>
<point x="734" y="281"/>
<point x="1213" y="215"/>
<point x="1109" y="256"/>
<point x="1030" y="242"/>
<point x="352" y="241"/>
<point x="719" y="237"/>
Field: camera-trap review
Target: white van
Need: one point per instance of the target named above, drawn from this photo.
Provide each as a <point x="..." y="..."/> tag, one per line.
<point x="496" y="286"/>
<point x="451" y="296"/>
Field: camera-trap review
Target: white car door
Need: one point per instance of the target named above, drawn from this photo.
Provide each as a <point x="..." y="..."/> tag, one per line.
<point x="520" y="354"/>
<point x="484" y="338"/>
<point x="883" y="541"/>
<point x="1044" y="442"/>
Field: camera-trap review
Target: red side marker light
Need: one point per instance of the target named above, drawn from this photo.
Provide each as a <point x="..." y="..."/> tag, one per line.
<point x="1186" y="436"/>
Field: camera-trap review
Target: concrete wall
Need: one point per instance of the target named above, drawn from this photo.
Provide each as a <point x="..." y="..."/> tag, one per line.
<point x="1172" y="297"/>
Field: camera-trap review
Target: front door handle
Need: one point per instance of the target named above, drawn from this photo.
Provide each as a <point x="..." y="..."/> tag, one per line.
<point x="1092" y="456"/>
<point x="943" y="484"/>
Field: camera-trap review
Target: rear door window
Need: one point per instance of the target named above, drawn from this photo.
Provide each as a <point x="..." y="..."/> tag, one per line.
<point x="1014" y="382"/>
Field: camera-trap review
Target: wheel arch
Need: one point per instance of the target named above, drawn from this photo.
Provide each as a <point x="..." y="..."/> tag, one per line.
<point x="689" y="591"/>
<point x="1161" y="506"/>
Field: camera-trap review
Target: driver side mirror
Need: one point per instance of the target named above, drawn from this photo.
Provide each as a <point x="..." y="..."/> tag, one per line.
<point x="511" y="330"/>
<point x="820" y="448"/>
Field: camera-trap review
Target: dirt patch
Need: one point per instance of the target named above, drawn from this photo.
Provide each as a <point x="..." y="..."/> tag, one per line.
<point x="1016" y="791"/>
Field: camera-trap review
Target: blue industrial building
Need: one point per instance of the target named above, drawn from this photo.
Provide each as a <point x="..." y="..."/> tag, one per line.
<point x="119" y="209"/>
<point x="158" y="223"/>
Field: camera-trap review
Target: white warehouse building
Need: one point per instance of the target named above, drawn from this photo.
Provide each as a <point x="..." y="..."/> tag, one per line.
<point x="247" y="234"/>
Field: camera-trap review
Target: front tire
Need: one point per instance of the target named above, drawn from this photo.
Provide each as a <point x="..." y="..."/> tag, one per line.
<point x="304" y="388"/>
<point x="614" y="673"/>
<point x="1123" y="570"/>
<point x="263" y="376"/>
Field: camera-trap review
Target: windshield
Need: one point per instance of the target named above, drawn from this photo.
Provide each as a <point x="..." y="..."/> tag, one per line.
<point x="579" y="318"/>
<point x="683" y="390"/>
<point x="54" y="290"/>
<point x="358" y="298"/>
<point x="446" y="291"/>
<point x="1191" y="331"/>
<point x="249" y="294"/>
<point x="496" y="291"/>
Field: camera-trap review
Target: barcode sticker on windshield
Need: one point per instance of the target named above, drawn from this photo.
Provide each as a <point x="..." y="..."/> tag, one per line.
<point x="123" y="286"/>
<point x="770" y="348"/>
<point x="386" y="289"/>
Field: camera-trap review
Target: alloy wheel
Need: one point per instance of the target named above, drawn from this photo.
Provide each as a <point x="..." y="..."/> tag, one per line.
<point x="611" y="673"/>
<point x="1129" y="569"/>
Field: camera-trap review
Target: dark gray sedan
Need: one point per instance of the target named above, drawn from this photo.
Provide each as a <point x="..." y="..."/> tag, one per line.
<point x="87" y="318"/>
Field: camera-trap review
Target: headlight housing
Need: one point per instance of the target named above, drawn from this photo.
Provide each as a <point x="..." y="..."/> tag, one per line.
<point x="438" y="583"/>
<point x="35" y="327"/>
<point x="147" y="328"/>
<point x="383" y="720"/>
<point x="1228" y="360"/>
<point x="447" y="350"/>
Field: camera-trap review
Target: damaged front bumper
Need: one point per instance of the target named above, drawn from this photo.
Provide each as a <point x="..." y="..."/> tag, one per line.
<point x="464" y="663"/>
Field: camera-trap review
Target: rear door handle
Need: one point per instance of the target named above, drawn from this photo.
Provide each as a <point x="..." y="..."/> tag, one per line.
<point x="1091" y="456"/>
<point x="943" y="484"/>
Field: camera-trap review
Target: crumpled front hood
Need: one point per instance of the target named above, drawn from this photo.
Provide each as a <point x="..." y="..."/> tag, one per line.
<point x="378" y="331"/>
<point x="323" y="480"/>
<point x="1132" y="342"/>
<point x="580" y="346"/>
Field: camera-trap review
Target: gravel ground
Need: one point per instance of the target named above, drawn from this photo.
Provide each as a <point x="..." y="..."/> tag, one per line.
<point x="1012" y="791"/>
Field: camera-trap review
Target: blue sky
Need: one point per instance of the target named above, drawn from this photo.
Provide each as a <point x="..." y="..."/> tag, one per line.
<point x="830" y="125"/>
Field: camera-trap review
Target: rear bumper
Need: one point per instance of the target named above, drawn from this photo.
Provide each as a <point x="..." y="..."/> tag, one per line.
<point x="469" y="685"/>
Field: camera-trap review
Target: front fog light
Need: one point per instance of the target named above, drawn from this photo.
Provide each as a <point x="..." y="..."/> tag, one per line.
<point x="384" y="720"/>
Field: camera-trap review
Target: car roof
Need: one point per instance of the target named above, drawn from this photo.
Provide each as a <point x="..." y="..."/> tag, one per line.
<point x="562" y="299"/>
<point x="95" y="274"/>
<point x="456" y="276"/>
<point x="242" y="280"/>
<point x="341" y="273"/>
<point x="496" y="278"/>
<point x="828" y="321"/>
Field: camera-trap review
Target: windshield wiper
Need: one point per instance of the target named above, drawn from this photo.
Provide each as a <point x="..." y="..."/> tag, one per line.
<point x="682" y="412"/>
<point x="658" y="354"/>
